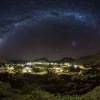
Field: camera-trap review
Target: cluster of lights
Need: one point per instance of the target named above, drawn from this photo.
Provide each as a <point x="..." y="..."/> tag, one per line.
<point x="27" y="69"/>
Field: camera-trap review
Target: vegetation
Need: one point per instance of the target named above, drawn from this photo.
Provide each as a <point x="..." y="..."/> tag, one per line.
<point x="33" y="93"/>
<point x="51" y="87"/>
<point x="70" y="84"/>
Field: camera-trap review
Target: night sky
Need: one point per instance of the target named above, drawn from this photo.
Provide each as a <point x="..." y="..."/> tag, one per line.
<point x="53" y="29"/>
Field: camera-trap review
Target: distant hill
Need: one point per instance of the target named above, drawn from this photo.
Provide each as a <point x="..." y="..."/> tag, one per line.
<point x="2" y="61"/>
<point x="42" y="59"/>
<point x="17" y="61"/>
<point x="65" y="59"/>
<point x="92" y="59"/>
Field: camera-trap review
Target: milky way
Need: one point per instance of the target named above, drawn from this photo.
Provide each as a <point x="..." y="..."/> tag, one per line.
<point x="53" y="33"/>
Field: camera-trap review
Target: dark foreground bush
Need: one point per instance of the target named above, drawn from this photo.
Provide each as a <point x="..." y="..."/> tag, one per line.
<point x="42" y="95"/>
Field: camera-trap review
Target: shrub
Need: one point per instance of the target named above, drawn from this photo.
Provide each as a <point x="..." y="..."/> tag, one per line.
<point x="28" y="88"/>
<point x="38" y="69"/>
<point x="3" y="88"/>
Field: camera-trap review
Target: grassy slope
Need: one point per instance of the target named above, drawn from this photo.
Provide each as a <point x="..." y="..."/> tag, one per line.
<point x="89" y="59"/>
<point x="42" y="95"/>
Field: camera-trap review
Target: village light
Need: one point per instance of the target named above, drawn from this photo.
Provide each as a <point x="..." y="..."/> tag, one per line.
<point x="67" y="64"/>
<point x="76" y="66"/>
<point x="29" y="63"/>
<point x="27" y="70"/>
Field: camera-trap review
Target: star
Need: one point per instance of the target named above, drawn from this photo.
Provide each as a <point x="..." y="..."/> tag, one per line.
<point x="74" y="44"/>
<point x="32" y="2"/>
<point x="57" y="50"/>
